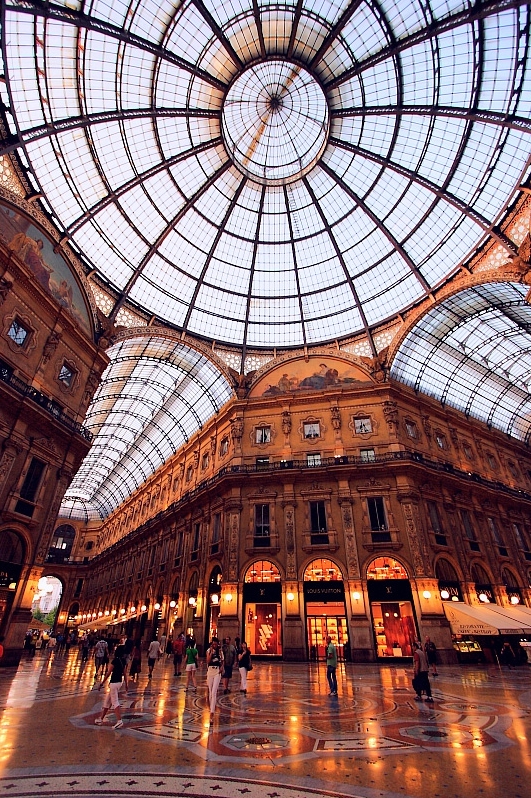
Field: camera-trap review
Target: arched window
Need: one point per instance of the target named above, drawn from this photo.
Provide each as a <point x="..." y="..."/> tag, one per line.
<point x="484" y="589"/>
<point x="479" y="575"/>
<point x="322" y="570"/>
<point x="11" y="547"/>
<point x="445" y="571"/>
<point x="449" y="586"/>
<point x="62" y="543"/>
<point x="262" y="571"/>
<point x="386" y="568"/>
<point x="512" y="586"/>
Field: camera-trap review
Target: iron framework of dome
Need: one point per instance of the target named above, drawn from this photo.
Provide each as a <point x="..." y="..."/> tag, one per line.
<point x="270" y="174"/>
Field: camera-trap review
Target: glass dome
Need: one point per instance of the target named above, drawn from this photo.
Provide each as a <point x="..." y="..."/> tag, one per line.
<point x="268" y="174"/>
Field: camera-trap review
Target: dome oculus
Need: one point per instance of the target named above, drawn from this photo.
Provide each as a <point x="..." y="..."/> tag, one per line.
<point x="275" y="122"/>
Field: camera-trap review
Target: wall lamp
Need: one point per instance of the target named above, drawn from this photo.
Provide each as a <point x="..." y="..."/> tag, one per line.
<point x="291" y="597"/>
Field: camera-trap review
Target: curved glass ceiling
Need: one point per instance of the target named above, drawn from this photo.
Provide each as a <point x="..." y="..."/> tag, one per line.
<point x="154" y="395"/>
<point x="271" y="174"/>
<point x="473" y="352"/>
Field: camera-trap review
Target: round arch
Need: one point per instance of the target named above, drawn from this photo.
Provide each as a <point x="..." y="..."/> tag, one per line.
<point x="322" y="569"/>
<point x="385" y="567"/>
<point x="483" y="583"/>
<point x="262" y="571"/>
<point x="449" y="579"/>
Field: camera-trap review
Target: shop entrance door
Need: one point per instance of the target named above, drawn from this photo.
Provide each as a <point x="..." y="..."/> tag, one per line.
<point x="319" y="627"/>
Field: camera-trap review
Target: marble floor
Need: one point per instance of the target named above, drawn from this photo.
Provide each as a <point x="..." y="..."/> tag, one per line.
<point x="287" y="738"/>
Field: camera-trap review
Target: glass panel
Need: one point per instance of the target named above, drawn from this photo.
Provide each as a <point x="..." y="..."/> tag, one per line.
<point x="394" y="628"/>
<point x="263" y="629"/>
<point x="167" y="147"/>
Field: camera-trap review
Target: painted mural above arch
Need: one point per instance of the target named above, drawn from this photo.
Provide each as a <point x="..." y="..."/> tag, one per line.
<point x="37" y="251"/>
<point x="315" y="373"/>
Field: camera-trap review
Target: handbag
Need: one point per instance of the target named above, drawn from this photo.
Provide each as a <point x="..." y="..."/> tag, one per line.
<point x="250" y="667"/>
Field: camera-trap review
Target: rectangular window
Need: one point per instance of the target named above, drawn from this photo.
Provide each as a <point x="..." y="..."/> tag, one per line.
<point x="32" y="480"/>
<point x="467" y="525"/>
<point x="311" y="429"/>
<point x="224" y="447"/>
<point x="263" y="434"/>
<point x="262" y="462"/>
<point x="179" y="548"/>
<point x="375" y="506"/>
<point x="318" y="526"/>
<point x="367" y="455"/>
<point x="434" y="518"/>
<point x="519" y="535"/>
<point x="495" y="531"/>
<point x="378" y="520"/>
<point x="216" y="534"/>
<point x="18" y="333"/>
<point x="262" y="526"/>
<point x="29" y="489"/>
<point x="195" y="543"/>
<point x="313" y="459"/>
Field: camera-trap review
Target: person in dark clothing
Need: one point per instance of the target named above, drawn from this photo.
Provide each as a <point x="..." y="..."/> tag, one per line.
<point x="431" y="655"/>
<point x="116" y="675"/>
<point x="507" y="655"/>
<point x="421" y="678"/>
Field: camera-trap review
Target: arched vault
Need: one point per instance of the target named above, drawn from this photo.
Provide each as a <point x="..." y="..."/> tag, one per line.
<point x="473" y="352"/>
<point x="154" y="395"/>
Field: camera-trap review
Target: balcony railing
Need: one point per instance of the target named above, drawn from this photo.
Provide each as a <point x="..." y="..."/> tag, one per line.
<point x="326" y="463"/>
<point x="51" y="407"/>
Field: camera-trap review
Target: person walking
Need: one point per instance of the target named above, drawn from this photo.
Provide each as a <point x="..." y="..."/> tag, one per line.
<point x="116" y="675"/>
<point x="191" y="655"/>
<point x="101" y="651"/>
<point x="430" y="650"/>
<point x="229" y="659"/>
<point x="214" y="661"/>
<point x="136" y="661"/>
<point x="162" y="646"/>
<point x="244" y="666"/>
<point x="331" y="665"/>
<point x="421" y="677"/>
<point x="178" y="653"/>
<point x="153" y="655"/>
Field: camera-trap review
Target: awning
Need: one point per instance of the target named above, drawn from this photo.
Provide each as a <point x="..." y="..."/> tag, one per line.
<point x="98" y="623"/>
<point x="489" y="620"/>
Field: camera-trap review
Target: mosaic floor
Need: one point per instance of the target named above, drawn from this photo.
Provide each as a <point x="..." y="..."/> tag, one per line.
<point x="287" y="738"/>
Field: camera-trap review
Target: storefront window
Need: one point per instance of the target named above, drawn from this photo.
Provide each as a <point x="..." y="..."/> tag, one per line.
<point x="392" y="612"/>
<point x="263" y="571"/>
<point x="386" y="568"/>
<point x="324" y="595"/>
<point x="322" y="570"/>
<point x="262" y="594"/>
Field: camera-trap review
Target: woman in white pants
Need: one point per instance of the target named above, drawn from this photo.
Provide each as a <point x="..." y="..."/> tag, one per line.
<point x="244" y="666"/>
<point x="214" y="661"/>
